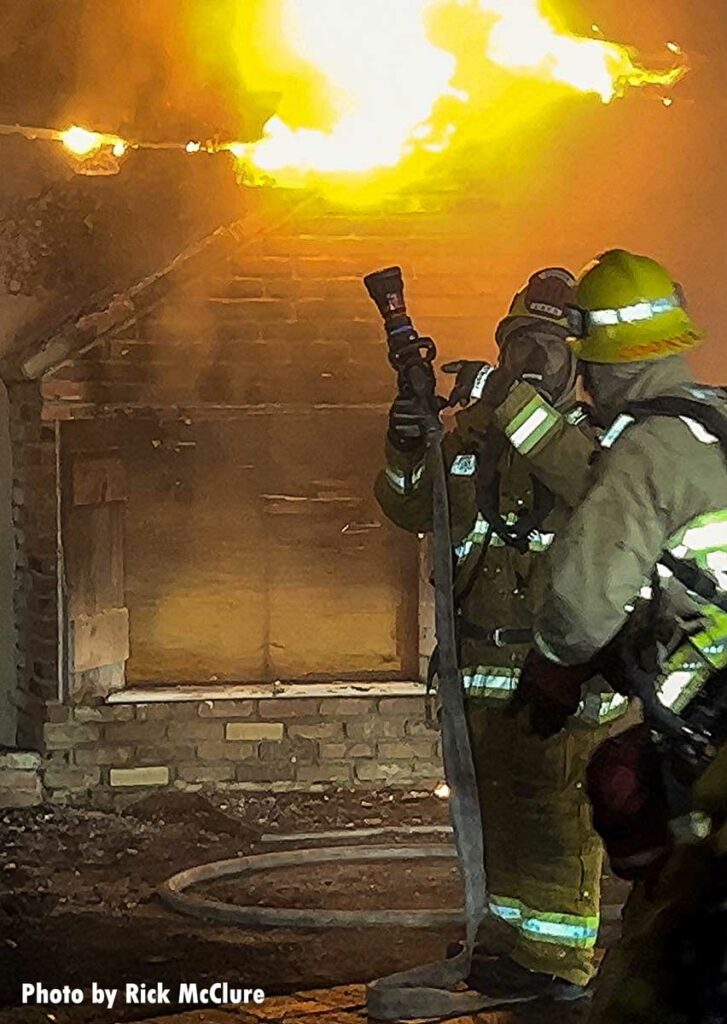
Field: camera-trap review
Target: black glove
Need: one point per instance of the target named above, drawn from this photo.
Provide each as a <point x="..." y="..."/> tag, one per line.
<point x="416" y="356"/>
<point x="551" y="693"/>
<point x="477" y="379"/>
<point x="407" y="424"/>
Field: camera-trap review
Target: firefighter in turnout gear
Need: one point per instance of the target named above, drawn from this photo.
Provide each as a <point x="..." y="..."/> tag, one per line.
<point x="636" y="583"/>
<point x="517" y="461"/>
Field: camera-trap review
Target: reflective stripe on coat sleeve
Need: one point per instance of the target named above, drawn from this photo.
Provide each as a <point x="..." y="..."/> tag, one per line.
<point x="529" y="427"/>
<point x="404" y="482"/>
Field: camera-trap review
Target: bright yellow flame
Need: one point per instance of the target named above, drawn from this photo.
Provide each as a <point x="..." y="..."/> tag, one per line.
<point x="523" y="39"/>
<point x="383" y="78"/>
<point x="80" y="141"/>
<point x="383" y="74"/>
<point x="83" y="143"/>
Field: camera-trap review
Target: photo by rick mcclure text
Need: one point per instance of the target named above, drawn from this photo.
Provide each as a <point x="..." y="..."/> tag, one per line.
<point x="363" y="512"/>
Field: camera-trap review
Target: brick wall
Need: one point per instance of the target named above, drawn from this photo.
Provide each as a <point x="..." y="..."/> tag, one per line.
<point x="110" y="753"/>
<point x="278" y="330"/>
<point x="284" y="317"/>
<point x="35" y="599"/>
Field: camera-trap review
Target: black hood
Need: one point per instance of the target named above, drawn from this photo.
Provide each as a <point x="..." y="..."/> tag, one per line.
<point x="613" y="385"/>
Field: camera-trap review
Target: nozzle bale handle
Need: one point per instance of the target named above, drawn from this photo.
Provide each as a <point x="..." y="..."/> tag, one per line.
<point x="409" y="354"/>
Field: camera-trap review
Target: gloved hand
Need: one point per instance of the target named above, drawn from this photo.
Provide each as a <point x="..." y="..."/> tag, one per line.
<point x="407" y="425"/>
<point x="550" y="693"/>
<point x="419" y="356"/>
<point x="477" y="379"/>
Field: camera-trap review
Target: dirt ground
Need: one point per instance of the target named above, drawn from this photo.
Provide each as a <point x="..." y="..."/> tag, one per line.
<point x="78" y="899"/>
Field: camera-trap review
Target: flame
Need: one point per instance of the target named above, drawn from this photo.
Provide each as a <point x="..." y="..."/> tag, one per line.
<point x="80" y="141"/>
<point x="84" y="143"/>
<point x="523" y="39"/>
<point x="383" y="78"/>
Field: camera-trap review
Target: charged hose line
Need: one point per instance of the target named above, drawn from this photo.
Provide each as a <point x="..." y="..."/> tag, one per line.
<point x="426" y="991"/>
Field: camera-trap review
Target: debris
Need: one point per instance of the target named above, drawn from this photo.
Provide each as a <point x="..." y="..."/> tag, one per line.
<point x="191" y="808"/>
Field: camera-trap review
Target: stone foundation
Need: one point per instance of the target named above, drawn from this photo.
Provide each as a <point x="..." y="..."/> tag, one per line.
<point x="105" y="753"/>
<point x="20" y="784"/>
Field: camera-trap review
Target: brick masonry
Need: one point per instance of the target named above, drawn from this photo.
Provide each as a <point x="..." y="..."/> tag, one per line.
<point x="36" y="580"/>
<point x="279" y="325"/>
<point x="109" y="753"/>
<point x="20" y="784"/>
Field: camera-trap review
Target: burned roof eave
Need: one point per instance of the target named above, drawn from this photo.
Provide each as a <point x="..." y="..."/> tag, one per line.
<point x="85" y="329"/>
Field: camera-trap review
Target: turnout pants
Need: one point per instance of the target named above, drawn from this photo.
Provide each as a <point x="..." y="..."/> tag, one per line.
<point x="666" y="968"/>
<point x="542" y="856"/>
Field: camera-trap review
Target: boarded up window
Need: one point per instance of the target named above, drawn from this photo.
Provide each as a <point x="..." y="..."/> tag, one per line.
<point x="255" y="550"/>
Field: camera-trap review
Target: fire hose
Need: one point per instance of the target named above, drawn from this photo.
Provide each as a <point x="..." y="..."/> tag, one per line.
<point x="175" y="896"/>
<point x="428" y="990"/>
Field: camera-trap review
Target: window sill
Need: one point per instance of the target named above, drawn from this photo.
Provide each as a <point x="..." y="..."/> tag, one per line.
<point x="262" y="691"/>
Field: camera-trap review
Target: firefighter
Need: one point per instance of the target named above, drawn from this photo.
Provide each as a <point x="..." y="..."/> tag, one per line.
<point x="636" y="584"/>
<point x="543" y="858"/>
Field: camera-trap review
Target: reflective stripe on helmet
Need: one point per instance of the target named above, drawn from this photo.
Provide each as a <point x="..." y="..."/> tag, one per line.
<point x="635" y="313"/>
<point x="563" y="929"/>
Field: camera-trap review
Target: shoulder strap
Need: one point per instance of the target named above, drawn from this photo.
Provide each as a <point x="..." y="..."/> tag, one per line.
<point x="487" y="486"/>
<point x="714" y="421"/>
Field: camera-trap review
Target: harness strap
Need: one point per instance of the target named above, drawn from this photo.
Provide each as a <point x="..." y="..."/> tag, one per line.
<point x="495" y="637"/>
<point x="711" y="419"/>
<point x="487" y="487"/>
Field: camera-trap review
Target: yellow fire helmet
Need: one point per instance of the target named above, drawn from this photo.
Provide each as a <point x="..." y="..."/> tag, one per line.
<point x="629" y="309"/>
<point x="547" y="296"/>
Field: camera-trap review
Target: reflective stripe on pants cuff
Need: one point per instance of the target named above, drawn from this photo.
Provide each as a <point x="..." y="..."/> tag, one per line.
<point x="560" y="929"/>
